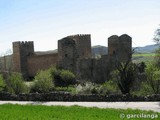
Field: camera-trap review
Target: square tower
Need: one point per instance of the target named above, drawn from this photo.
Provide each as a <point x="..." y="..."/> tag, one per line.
<point x="21" y="50"/>
<point x="83" y="45"/>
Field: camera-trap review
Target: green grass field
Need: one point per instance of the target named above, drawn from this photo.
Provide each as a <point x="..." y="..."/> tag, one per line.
<point x="144" y="54"/>
<point x="39" y="112"/>
<point x="145" y="57"/>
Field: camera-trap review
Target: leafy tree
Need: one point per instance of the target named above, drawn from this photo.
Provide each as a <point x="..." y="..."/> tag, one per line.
<point x="157" y="51"/>
<point x="157" y="57"/>
<point x="157" y="35"/>
<point x="43" y="82"/>
<point x="153" y="77"/>
<point x="15" y="84"/>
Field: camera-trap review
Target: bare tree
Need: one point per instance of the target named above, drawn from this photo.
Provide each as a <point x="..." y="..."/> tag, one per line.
<point x="126" y="73"/>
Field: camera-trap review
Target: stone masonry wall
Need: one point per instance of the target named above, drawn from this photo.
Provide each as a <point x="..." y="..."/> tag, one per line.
<point x="120" y="47"/>
<point x="96" y="70"/>
<point x="40" y="62"/>
<point x="65" y="96"/>
<point x="21" y="50"/>
<point x="66" y="54"/>
<point x="83" y="45"/>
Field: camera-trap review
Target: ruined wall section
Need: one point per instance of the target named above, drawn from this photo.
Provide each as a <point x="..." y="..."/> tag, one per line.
<point x="21" y="50"/>
<point x="66" y="54"/>
<point x="120" y="47"/>
<point x="40" y="62"/>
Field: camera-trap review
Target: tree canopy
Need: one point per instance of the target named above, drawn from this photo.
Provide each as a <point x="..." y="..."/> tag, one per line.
<point x="157" y="35"/>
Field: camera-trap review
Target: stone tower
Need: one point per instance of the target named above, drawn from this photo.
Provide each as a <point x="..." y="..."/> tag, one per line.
<point x="83" y="45"/>
<point x="20" y="52"/>
<point x="71" y="49"/>
<point x="66" y="53"/>
<point x="120" y="47"/>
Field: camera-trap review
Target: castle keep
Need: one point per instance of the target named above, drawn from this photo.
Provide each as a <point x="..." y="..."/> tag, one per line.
<point x="74" y="54"/>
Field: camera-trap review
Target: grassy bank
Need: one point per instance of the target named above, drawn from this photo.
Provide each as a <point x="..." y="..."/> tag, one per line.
<point x="38" y="112"/>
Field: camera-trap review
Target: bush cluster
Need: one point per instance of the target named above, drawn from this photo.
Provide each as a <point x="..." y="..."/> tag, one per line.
<point x="47" y="80"/>
<point x="43" y="82"/>
<point x="109" y="87"/>
<point x="15" y="84"/>
<point x="62" y="78"/>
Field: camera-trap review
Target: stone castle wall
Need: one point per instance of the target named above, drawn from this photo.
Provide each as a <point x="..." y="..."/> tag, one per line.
<point x="74" y="54"/>
<point x="65" y="96"/>
<point x="40" y="62"/>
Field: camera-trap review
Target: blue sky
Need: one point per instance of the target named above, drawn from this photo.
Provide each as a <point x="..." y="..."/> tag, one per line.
<point x="46" y="21"/>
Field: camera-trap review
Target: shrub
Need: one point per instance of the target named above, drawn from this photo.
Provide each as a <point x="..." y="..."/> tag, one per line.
<point x="109" y="87"/>
<point x="62" y="78"/>
<point x="70" y="89"/>
<point x="68" y="78"/>
<point x="2" y="83"/>
<point x="15" y="84"/>
<point x="43" y="82"/>
<point x="153" y="77"/>
<point x="87" y="88"/>
<point x="145" y="89"/>
<point x="56" y="76"/>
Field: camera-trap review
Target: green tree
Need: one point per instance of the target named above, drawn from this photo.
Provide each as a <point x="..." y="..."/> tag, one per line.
<point x="43" y="82"/>
<point x="157" y="35"/>
<point x="15" y="84"/>
<point x="157" y="51"/>
<point x="153" y="77"/>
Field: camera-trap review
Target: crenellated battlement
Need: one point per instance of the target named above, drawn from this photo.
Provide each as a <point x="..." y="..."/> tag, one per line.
<point x="79" y="35"/>
<point x="23" y="43"/>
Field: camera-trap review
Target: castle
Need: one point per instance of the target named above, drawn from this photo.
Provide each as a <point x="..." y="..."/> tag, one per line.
<point x="74" y="54"/>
